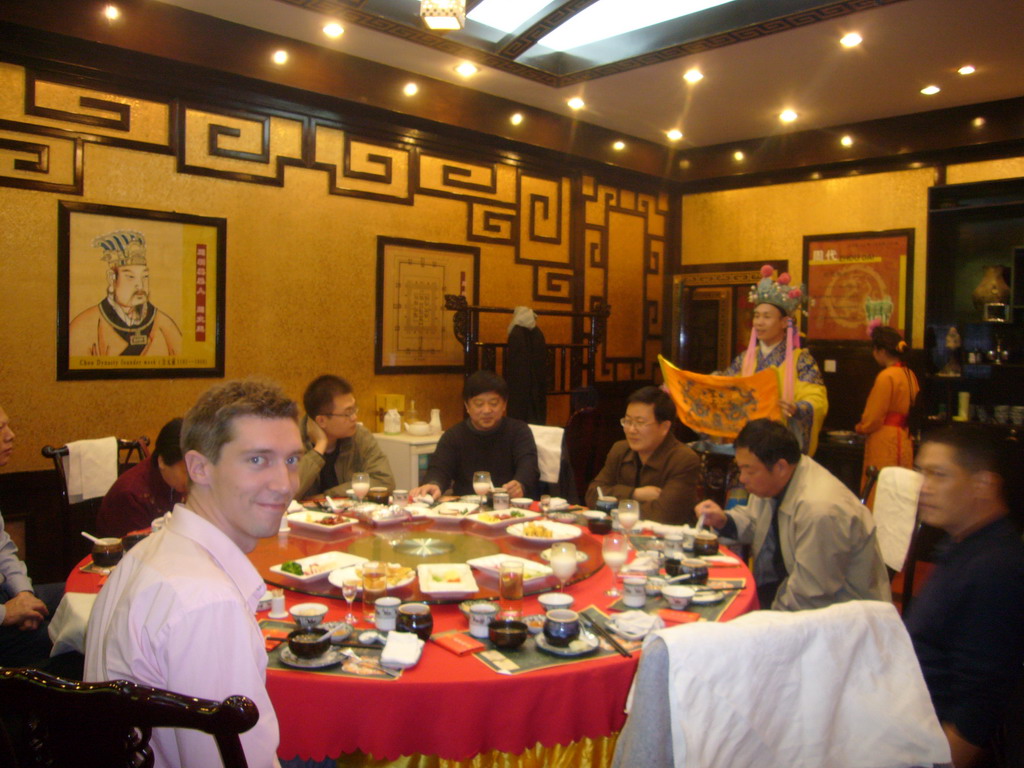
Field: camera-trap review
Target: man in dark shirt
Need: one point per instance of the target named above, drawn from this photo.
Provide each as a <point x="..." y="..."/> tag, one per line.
<point x="486" y="441"/>
<point x="147" y="490"/>
<point x="967" y="624"/>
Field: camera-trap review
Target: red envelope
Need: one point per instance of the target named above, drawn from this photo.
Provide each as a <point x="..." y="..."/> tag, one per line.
<point x="678" y="617"/>
<point x="458" y="643"/>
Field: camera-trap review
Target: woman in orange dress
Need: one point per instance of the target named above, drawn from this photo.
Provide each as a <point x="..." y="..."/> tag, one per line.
<point x="884" y="420"/>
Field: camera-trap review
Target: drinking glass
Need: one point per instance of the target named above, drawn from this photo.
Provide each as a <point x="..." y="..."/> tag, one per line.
<point x="614" y="550"/>
<point x="563" y="561"/>
<point x="629" y="513"/>
<point x="349" y="590"/>
<point x="482" y="483"/>
<point x="510" y="588"/>
<point x="375" y="584"/>
<point x="360" y="484"/>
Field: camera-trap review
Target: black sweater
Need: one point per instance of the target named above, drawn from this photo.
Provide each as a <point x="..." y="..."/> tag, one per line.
<point x="507" y="452"/>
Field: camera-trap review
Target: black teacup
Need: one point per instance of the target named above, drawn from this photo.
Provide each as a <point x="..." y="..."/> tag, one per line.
<point x="561" y="627"/>
<point x="415" y="618"/>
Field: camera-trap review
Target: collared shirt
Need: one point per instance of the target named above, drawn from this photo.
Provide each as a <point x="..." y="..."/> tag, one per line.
<point x="135" y="499"/>
<point x="13" y="574"/>
<point x="178" y="613"/>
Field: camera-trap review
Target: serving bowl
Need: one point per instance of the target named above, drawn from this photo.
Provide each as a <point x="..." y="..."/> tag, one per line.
<point x="309" y="643"/>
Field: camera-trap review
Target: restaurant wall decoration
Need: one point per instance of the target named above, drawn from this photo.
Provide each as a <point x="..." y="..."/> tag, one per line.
<point x="140" y="293"/>
<point x="414" y="333"/>
<point x="856" y="279"/>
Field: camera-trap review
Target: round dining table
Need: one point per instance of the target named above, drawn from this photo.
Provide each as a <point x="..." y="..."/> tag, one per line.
<point x="449" y="707"/>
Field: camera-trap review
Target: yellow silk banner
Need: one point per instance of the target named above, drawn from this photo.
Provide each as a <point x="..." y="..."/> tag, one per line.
<point x="722" y="405"/>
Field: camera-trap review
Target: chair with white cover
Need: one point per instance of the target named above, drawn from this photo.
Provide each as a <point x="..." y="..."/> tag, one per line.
<point x="896" y="521"/>
<point x="838" y="687"/>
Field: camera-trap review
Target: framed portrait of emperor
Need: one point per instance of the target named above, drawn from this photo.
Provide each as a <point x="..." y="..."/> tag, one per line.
<point x="140" y="294"/>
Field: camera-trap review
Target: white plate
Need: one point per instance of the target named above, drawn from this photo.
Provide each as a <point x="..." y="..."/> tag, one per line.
<point x="558" y="531"/>
<point x="720" y="560"/>
<point x="328" y="659"/>
<point x="707" y="597"/>
<point x="581" y="557"/>
<point x="337" y="578"/>
<point x="325" y="562"/>
<point x="532" y="571"/>
<point x="310" y="521"/>
<point x="592" y="644"/>
<point x="446" y="579"/>
<point x="451" y="510"/>
<point x="506" y="517"/>
<point x="417" y="510"/>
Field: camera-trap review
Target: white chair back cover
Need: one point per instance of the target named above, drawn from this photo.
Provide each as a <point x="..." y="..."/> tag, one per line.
<point x="90" y="468"/>
<point x="895" y="512"/>
<point x="549" y="451"/>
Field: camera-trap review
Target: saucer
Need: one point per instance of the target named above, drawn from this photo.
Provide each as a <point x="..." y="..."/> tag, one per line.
<point x="554" y="650"/>
<point x="328" y="659"/>
<point x="707" y="597"/>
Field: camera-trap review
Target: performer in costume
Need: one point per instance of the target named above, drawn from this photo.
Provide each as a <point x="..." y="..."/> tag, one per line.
<point x="775" y="343"/>
<point x="884" y="420"/>
<point x="124" y="323"/>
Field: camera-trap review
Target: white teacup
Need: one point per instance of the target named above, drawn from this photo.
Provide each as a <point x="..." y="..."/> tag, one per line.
<point x="552" y="601"/>
<point x="678" y="596"/>
<point x="480" y="617"/>
<point x="634" y="593"/>
<point x="386" y="613"/>
<point x="308" y="615"/>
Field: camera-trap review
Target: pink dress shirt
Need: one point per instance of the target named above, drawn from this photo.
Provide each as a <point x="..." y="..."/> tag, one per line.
<point x="178" y="613"/>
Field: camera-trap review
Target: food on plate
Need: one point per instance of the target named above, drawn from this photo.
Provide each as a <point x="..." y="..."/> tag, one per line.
<point x="321" y="519"/>
<point x="498" y="517"/>
<point x="396" y="573"/>
<point x="449" y="576"/>
<point x="292" y="567"/>
<point x="537" y="530"/>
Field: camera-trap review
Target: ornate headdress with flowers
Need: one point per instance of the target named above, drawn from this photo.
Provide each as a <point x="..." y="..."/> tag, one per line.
<point x="779" y="293"/>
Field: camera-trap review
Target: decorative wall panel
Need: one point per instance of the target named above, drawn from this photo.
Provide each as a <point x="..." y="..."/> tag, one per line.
<point x="362" y="168"/>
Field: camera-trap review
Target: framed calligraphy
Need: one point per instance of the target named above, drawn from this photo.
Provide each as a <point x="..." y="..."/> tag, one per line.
<point x="414" y="333"/>
<point x="855" y="279"/>
<point x="140" y="294"/>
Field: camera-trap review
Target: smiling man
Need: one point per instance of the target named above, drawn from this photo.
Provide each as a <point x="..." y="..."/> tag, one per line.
<point x="967" y="624"/>
<point x="485" y="441"/>
<point x="814" y="542"/>
<point x="650" y="465"/>
<point x="179" y="610"/>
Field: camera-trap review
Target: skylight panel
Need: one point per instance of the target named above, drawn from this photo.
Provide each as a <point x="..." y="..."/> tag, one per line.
<point x="504" y="15"/>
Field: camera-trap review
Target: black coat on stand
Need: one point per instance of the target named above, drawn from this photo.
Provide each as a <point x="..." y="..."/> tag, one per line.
<point x="526" y="374"/>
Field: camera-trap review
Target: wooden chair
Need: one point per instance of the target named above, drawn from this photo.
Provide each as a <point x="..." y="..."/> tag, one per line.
<point x="64" y="724"/>
<point x="81" y="516"/>
<point x="588" y="438"/>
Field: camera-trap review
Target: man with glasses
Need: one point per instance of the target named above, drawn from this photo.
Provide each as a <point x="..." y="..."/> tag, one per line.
<point x="650" y="465"/>
<point x="338" y="446"/>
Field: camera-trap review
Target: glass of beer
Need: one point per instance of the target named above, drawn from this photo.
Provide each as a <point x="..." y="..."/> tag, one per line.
<point x="510" y="588"/>
<point x="375" y="584"/>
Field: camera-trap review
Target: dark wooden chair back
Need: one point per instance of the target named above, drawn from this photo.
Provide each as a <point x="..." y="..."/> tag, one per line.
<point x="81" y="516"/>
<point x="589" y="435"/>
<point x="871" y="477"/>
<point x="58" y="723"/>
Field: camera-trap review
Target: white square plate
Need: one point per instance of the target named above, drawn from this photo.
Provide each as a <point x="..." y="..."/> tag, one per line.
<point x="319" y="566"/>
<point x="312" y="521"/>
<point x="502" y="518"/>
<point x="451" y="510"/>
<point x="446" y="579"/>
<point x="532" y="571"/>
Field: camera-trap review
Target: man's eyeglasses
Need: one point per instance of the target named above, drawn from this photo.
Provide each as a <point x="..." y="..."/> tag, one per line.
<point x="638" y="423"/>
<point x="349" y="414"/>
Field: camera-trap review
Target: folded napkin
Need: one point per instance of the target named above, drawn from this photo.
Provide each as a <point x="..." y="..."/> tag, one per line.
<point x="556" y="503"/>
<point x="643" y="564"/>
<point x="458" y="643"/>
<point x="402" y="650"/>
<point x="634" y="625"/>
<point x="90" y="468"/>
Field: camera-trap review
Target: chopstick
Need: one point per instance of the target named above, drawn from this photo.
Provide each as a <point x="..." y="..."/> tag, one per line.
<point x="596" y="627"/>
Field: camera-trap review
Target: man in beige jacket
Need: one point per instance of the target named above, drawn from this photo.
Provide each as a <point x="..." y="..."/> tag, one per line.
<point x="814" y="542"/>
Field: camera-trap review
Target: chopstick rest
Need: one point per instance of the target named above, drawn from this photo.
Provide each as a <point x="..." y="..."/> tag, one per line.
<point x="458" y="643"/>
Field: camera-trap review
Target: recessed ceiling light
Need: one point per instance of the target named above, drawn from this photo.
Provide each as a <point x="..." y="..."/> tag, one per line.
<point x="693" y="75"/>
<point x="280" y="56"/>
<point x="467" y="69"/>
<point x="850" y="40"/>
<point x="411" y="89"/>
<point x="684" y="164"/>
<point x="112" y="12"/>
<point x="978" y="122"/>
<point x="618" y="146"/>
<point x="787" y="115"/>
<point x="966" y="69"/>
<point x="738" y="156"/>
<point x="674" y="135"/>
<point x="516" y="119"/>
<point x="333" y="29"/>
<point x="846" y="141"/>
<point x="576" y="103"/>
<point x="930" y="90"/>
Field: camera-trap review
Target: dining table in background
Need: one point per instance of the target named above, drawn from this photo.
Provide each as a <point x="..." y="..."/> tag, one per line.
<point x="448" y="707"/>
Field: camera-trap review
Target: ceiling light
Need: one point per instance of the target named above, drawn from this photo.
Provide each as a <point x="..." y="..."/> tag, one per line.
<point x="851" y="40"/>
<point x="846" y="141"/>
<point x="576" y="103"/>
<point x="333" y="29"/>
<point x="443" y="15"/>
<point x="516" y="119"/>
<point x="930" y="90"/>
<point x="280" y="57"/>
<point x="618" y="146"/>
<point x="693" y="76"/>
<point x="411" y="89"/>
<point x="787" y="115"/>
<point x="112" y="12"/>
<point x="738" y="156"/>
<point x="467" y="69"/>
<point x="966" y="69"/>
<point x="674" y="135"/>
<point x="978" y="122"/>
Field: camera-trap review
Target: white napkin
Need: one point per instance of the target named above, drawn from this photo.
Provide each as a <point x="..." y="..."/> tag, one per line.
<point x="633" y="625"/>
<point x="67" y="627"/>
<point x="556" y="502"/>
<point x="402" y="650"/>
<point x="549" y="451"/>
<point x="90" y="468"/>
<point x="643" y="564"/>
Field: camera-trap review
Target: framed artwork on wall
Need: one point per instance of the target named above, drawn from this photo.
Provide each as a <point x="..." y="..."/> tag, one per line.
<point x="140" y="294"/>
<point x="856" y="278"/>
<point x="414" y="332"/>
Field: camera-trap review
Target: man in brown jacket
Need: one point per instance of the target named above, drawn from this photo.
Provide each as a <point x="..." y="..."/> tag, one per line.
<point x="650" y="465"/>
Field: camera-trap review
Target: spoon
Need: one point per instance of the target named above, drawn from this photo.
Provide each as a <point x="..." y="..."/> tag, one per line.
<point x="365" y="660"/>
<point x="90" y="537"/>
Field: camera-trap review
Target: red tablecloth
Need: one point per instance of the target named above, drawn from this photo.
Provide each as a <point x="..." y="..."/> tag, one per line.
<point x="451" y="706"/>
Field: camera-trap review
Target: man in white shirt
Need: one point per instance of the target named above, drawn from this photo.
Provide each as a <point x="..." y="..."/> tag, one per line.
<point x="178" y="613"/>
